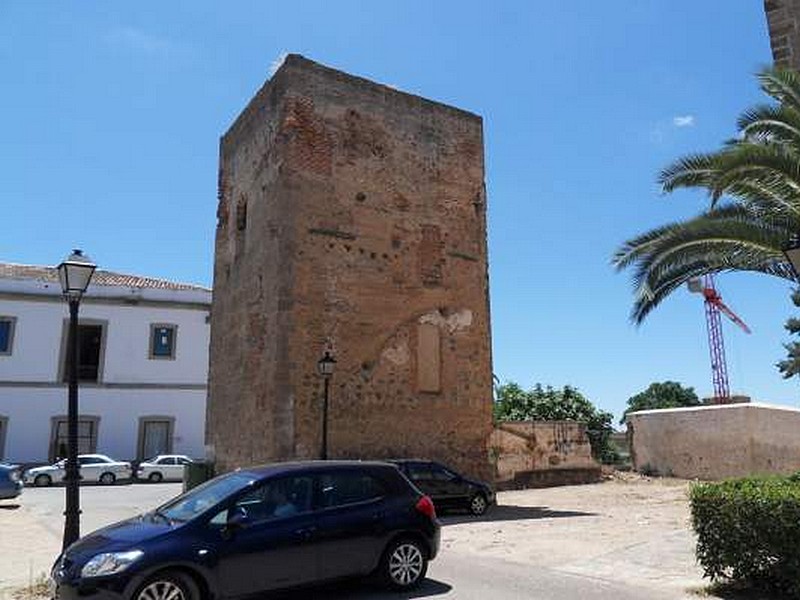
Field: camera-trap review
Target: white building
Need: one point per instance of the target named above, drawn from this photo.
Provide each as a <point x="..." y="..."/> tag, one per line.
<point x="143" y="366"/>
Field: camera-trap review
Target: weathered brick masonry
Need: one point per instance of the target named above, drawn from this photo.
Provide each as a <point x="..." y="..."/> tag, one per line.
<point x="351" y="216"/>
<point x="784" y="33"/>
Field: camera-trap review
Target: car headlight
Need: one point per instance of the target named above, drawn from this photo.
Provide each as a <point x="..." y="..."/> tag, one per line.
<point x="110" y="563"/>
<point x="14" y="476"/>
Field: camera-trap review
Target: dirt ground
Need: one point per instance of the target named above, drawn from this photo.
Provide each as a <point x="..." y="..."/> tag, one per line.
<point x="629" y="529"/>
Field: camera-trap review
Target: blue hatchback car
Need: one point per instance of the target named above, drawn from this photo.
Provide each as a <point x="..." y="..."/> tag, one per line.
<point x="10" y="482"/>
<point x="264" y="528"/>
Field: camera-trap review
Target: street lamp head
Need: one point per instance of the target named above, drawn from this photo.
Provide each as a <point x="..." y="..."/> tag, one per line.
<point x="326" y="364"/>
<point x="75" y="273"/>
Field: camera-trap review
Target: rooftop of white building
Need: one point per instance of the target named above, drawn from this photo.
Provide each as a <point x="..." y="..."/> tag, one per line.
<point x="43" y="280"/>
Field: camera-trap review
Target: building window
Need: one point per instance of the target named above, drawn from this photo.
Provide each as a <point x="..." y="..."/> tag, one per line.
<point x="7" y="325"/>
<point x="155" y="436"/>
<point x="3" y="432"/>
<point x="87" y="436"/>
<point x="162" y="340"/>
<point x="90" y="352"/>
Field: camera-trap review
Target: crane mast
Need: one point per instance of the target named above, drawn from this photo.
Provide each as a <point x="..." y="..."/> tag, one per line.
<point x="716" y="347"/>
<point x="714" y="307"/>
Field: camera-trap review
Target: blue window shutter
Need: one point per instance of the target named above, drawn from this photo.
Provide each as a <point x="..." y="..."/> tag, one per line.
<point x="163" y="341"/>
<point x="5" y="335"/>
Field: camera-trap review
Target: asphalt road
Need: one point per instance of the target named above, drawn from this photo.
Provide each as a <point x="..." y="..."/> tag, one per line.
<point x="466" y="576"/>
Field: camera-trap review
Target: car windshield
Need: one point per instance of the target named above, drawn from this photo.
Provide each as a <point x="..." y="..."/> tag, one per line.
<point x="195" y="502"/>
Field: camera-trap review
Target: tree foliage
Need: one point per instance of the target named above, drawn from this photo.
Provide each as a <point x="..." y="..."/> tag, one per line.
<point x="753" y="183"/>
<point x="548" y="404"/>
<point x="790" y="366"/>
<point x="668" y="394"/>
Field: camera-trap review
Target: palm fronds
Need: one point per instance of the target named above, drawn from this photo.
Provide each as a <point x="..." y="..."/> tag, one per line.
<point x="754" y="185"/>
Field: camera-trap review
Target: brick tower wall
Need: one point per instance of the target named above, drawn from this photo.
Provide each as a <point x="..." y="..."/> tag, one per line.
<point x="784" y="33"/>
<point x="352" y="216"/>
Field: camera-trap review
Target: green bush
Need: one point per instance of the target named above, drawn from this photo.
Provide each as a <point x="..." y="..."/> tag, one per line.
<point x="748" y="532"/>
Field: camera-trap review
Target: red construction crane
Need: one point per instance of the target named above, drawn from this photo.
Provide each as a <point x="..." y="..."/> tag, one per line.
<point x="716" y="345"/>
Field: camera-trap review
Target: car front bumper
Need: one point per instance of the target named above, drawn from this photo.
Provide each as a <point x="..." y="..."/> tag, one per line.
<point x="65" y="591"/>
<point x="113" y="587"/>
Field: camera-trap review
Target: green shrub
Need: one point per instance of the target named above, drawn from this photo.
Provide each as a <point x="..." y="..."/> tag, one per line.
<point x="748" y="531"/>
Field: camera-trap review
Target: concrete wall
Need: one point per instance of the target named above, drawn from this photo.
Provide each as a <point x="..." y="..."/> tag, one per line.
<point x="530" y="453"/>
<point x="716" y="442"/>
<point x="351" y="216"/>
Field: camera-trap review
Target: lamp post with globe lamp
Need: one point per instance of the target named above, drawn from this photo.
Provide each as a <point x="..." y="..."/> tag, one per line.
<point x="74" y="274"/>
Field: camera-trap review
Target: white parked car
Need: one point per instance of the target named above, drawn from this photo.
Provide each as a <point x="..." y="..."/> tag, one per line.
<point x="93" y="467"/>
<point x="165" y="467"/>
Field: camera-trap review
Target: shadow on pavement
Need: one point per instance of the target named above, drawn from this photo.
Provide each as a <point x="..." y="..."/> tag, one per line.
<point x="61" y="484"/>
<point x="360" y="590"/>
<point x="9" y="506"/>
<point x="733" y="591"/>
<point x="510" y="512"/>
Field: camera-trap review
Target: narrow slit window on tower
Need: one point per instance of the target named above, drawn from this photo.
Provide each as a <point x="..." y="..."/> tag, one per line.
<point x="241" y="215"/>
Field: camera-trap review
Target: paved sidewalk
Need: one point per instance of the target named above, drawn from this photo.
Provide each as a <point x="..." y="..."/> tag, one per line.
<point x="27" y="547"/>
<point x="32" y="525"/>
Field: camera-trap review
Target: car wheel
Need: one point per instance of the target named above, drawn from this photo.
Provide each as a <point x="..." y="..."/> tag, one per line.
<point x="478" y="504"/>
<point x="168" y="585"/>
<point x="43" y="481"/>
<point x="155" y="477"/>
<point x="108" y="478"/>
<point x="404" y="564"/>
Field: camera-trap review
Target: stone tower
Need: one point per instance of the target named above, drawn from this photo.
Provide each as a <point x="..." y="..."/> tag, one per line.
<point x="352" y="217"/>
<point x="784" y="32"/>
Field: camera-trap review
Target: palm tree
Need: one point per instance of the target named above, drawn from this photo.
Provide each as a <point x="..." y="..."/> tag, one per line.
<point x="754" y="185"/>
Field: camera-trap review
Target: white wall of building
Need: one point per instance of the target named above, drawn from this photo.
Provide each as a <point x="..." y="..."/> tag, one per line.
<point x="29" y="413"/>
<point x="41" y="326"/>
<point x="131" y="385"/>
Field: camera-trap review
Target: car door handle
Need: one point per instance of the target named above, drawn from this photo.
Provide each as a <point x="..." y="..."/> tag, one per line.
<point x="306" y="532"/>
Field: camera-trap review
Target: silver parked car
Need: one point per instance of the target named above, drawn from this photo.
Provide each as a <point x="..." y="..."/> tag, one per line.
<point x="165" y="467"/>
<point x="93" y="467"/>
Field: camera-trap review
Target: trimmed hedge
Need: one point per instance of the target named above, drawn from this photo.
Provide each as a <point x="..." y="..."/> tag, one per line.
<point x="748" y="531"/>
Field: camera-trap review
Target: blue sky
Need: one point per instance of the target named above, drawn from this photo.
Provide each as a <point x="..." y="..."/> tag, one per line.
<point x="111" y="115"/>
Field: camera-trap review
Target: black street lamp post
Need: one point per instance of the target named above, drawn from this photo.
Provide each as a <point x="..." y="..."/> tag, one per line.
<point x="74" y="273"/>
<point x="325" y="366"/>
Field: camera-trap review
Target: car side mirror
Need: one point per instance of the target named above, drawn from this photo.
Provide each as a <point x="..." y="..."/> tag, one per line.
<point x="237" y="519"/>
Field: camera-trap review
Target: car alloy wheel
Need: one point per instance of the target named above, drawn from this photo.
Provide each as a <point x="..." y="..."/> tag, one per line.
<point x="155" y="477"/>
<point x="169" y="585"/>
<point x="406" y="564"/>
<point x="107" y="478"/>
<point x="43" y="481"/>
<point x="478" y="505"/>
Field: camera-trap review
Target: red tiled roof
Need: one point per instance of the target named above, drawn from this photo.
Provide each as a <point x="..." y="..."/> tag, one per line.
<point x="49" y="275"/>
